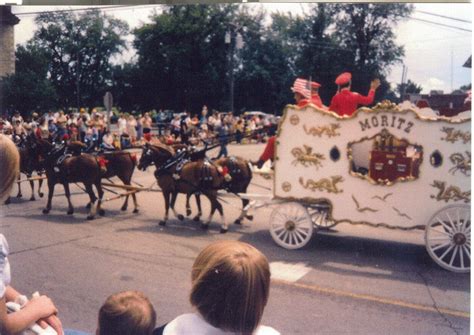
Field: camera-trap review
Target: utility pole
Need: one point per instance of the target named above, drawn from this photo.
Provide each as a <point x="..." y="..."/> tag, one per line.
<point x="403" y="83"/>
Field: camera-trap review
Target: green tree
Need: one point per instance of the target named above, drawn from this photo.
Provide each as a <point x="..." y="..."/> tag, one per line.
<point x="408" y="87"/>
<point x="367" y="31"/>
<point x="182" y="57"/>
<point x="81" y="48"/>
<point x="29" y="89"/>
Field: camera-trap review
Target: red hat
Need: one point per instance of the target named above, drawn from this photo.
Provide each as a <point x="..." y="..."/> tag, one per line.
<point x="315" y="84"/>
<point x="343" y="78"/>
<point x="303" y="87"/>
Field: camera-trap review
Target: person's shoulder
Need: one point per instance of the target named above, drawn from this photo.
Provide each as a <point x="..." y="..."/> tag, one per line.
<point x="266" y="330"/>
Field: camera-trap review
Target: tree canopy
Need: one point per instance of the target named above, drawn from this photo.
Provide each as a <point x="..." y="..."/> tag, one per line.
<point x="195" y="55"/>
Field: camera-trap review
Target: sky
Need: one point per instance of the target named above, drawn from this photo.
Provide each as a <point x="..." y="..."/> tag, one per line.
<point x="434" y="53"/>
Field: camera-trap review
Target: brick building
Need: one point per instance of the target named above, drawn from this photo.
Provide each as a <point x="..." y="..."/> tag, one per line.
<point x="7" y="47"/>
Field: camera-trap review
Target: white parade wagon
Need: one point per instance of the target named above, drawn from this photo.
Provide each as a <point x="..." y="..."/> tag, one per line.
<point x="397" y="167"/>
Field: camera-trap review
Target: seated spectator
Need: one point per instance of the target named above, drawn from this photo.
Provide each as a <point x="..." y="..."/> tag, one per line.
<point x="230" y="289"/>
<point x="39" y="309"/>
<point x="126" y="313"/>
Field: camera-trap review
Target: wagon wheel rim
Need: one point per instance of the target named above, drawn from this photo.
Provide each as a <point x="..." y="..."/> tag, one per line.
<point x="291" y="226"/>
<point x="448" y="238"/>
<point x="321" y="219"/>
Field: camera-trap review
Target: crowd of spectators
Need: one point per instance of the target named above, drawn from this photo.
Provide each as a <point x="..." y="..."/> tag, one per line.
<point x="129" y="130"/>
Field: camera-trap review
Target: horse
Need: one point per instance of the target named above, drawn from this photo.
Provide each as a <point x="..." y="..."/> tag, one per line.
<point x="120" y="164"/>
<point x="174" y="175"/>
<point x="29" y="163"/>
<point x="84" y="168"/>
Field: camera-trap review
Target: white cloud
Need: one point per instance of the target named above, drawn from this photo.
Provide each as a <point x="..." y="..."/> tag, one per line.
<point x="434" y="84"/>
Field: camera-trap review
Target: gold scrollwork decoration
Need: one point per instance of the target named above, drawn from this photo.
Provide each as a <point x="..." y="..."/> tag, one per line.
<point x="363" y="209"/>
<point x="382" y="198"/>
<point x="386" y="105"/>
<point x="453" y="193"/>
<point x="453" y="135"/>
<point x="330" y="130"/>
<point x="294" y="119"/>
<point x="461" y="163"/>
<point x="306" y="157"/>
<point x="286" y="186"/>
<point x="324" y="184"/>
<point x="404" y="215"/>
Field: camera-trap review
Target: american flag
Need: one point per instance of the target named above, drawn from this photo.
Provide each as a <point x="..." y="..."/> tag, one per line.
<point x="303" y="87"/>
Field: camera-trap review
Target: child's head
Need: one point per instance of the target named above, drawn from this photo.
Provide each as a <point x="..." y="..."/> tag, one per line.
<point x="231" y="283"/>
<point x="126" y="313"/>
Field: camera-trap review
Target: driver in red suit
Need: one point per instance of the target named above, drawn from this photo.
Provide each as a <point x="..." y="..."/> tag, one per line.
<point x="346" y="102"/>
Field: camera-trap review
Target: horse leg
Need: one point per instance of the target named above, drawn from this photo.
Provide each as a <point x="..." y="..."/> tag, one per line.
<point x="41" y="194"/>
<point x="224" y="226"/>
<point x="100" y="193"/>
<point x="135" y="203"/>
<point x="70" y="210"/>
<point x="166" y="196"/>
<point x="19" y="195"/>
<point x="51" y="185"/>
<point x="197" y="218"/>
<point x="32" y="185"/>
<point x="244" y="212"/>
<point x="8" y="201"/>
<point x="188" y="207"/>
<point x="93" y="199"/>
<point x="174" y="195"/>
<point x="205" y="225"/>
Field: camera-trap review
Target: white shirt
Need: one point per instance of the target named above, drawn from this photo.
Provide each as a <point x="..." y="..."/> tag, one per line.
<point x="4" y="266"/>
<point x="193" y="323"/>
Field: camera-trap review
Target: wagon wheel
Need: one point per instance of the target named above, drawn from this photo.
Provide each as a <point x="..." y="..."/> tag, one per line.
<point x="291" y="226"/>
<point x="448" y="238"/>
<point x="321" y="219"/>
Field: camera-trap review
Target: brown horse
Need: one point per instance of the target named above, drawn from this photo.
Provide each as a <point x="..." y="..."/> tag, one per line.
<point x="73" y="169"/>
<point x="175" y="176"/>
<point x="29" y="163"/>
<point x="121" y="164"/>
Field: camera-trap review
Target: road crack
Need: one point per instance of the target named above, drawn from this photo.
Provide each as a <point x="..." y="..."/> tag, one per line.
<point x="49" y="245"/>
<point x="435" y="306"/>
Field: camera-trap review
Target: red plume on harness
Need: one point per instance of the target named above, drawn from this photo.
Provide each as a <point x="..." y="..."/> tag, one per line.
<point x="134" y="158"/>
<point x="103" y="162"/>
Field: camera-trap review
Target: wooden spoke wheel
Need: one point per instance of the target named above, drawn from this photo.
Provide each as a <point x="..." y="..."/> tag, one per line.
<point x="448" y="238"/>
<point x="321" y="219"/>
<point x="291" y="226"/>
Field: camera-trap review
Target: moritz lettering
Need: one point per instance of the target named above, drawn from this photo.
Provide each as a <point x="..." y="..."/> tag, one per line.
<point x="382" y="121"/>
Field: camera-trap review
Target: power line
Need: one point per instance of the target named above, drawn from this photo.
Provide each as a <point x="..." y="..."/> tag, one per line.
<point x="104" y="8"/>
<point x="440" y="24"/>
<point x="443" y="16"/>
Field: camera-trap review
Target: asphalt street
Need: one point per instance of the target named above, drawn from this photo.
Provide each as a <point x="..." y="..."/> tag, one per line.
<point x="351" y="279"/>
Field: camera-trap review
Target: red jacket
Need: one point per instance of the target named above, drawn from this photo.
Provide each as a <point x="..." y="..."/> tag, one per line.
<point x="316" y="100"/>
<point x="345" y="102"/>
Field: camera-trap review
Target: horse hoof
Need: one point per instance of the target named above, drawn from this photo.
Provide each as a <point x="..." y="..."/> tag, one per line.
<point x="135" y="211"/>
<point x="162" y="223"/>
<point x="204" y="226"/>
<point x="188" y="212"/>
<point x="123" y="208"/>
<point x="32" y="199"/>
<point x="101" y="212"/>
<point x="41" y="195"/>
<point x="249" y="217"/>
<point x="90" y="217"/>
<point x="45" y="211"/>
<point x="8" y="201"/>
<point x="19" y="195"/>
<point x="223" y="231"/>
<point x="88" y="206"/>
<point x="237" y="222"/>
<point x="70" y="212"/>
<point x="196" y="218"/>
<point x="180" y="217"/>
